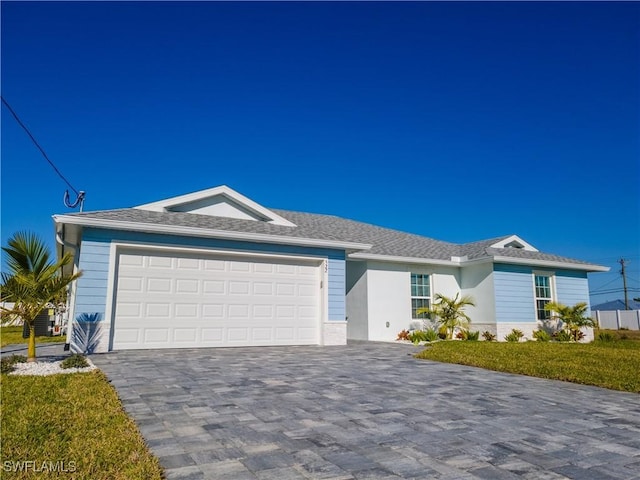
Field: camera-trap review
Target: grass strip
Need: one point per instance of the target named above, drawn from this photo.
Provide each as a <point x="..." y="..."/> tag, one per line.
<point x="13" y="335"/>
<point x="614" y="365"/>
<point x="76" y="420"/>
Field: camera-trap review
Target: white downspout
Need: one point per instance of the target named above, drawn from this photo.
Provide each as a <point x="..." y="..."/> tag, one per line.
<point x="72" y="290"/>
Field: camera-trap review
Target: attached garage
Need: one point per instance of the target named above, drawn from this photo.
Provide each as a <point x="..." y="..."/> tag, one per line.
<point x="180" y="299"/>
<point x="206" y="269"/>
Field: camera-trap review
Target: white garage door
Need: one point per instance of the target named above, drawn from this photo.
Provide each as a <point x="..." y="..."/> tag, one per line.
<point x="176" y="300"/>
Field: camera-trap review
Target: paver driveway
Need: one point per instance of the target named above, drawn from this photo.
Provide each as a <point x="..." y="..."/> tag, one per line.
<point x="367" y="411"/>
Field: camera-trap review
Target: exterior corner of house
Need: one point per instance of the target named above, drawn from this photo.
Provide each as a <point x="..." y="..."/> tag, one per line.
<point x="334" y="333"/>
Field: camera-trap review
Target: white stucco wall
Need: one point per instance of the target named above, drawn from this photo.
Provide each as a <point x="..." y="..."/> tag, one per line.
<point x="444" y="280"/>
<point x="334" y="333"/>
<point x="388" y="288"/>
<point x="356" y="308"/>
<point x="477" y="281"/>
<point x="388" y="297"/>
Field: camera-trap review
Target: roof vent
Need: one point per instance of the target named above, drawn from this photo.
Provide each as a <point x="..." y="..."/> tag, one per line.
<point x="514" y="244"/>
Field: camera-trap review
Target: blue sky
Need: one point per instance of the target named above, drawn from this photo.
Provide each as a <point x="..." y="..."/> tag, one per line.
<point x="458" y="121"/>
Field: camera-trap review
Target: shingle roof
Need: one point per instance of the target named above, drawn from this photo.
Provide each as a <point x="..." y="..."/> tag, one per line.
<point x="616" y="305"/>
<point x="384" y="241"/>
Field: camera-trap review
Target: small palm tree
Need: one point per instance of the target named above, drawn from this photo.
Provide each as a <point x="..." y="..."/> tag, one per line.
<point x="573" y="318"/>
<point x="32" y="280"/>
<point x="449" y="312"/>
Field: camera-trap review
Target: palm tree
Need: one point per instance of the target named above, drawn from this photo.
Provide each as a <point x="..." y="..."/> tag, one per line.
<point x="32" y="280"/>
<point x="573" y="318"/>
<point x="449" y="312"/>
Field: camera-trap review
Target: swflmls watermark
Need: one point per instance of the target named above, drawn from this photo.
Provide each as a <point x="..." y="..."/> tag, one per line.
<point x="60" y="466"/>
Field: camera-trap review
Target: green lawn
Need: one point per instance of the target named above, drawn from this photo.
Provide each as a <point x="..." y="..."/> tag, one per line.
<point x="614" y="365"/>
<point x="11" y="335"/>
<point x="71" y="418"/>
<point x="623" y="334"/>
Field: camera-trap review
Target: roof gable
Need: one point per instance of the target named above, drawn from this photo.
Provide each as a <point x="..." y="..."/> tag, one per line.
<point x="514" y="241"/>
<point x="220" y="201"/>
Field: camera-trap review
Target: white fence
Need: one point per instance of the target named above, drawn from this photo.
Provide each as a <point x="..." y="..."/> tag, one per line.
<point x="616" y="319"/>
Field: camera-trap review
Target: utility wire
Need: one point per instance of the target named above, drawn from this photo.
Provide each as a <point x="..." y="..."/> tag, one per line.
<point x="15" y="115"/>
<point x="600" y="287"/>
<point x="613" y="290"/>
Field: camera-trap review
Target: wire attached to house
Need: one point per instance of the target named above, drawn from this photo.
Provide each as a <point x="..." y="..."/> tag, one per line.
<point x="79" y="194"/>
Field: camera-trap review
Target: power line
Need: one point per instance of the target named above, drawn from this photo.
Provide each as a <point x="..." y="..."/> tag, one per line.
<point x="612" y="259"/>
<point x="613" y="290"/>
<point x="609" y="283"/>
<point x="24" y="127"/>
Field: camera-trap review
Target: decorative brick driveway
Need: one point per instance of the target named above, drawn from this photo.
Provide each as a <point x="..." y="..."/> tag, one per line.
<point x="367" y="411"/>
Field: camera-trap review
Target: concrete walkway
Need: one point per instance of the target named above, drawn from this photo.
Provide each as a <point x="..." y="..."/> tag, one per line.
<point x="367" y="411"/>
<point x="45" y="352"/>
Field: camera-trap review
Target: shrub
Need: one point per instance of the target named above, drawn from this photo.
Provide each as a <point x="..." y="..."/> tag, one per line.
<point x="74" y="361"/>
<point x="573" y="318"/>
<point x="449" y="312"/>
<point x="462" y="334"/>
<point x="541" y="336"/>
<point x="442" y="333"/>
<point x="17" y="359"/>
<point x="431" y="335"/>
<point x="403" y="335"/>
<point x="514" y="336"/>
<point x="7" y="364"/>
<point x="428" y="335"/>
<point x="562" y="336"/>
<point x="606" y="337"/>
<point x="577" y="334"/>
<point x="473" y="336"/>
<point x="416" y="336"/>
<point x="488" y="336"/>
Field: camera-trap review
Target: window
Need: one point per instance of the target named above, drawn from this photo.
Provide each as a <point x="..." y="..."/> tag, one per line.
<point x="420" y="294"/>
<point x="543" y="296"/>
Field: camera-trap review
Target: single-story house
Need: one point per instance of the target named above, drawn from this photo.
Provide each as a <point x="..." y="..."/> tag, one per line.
<point x="216" y="269"/>
<point x="616" y="305"/>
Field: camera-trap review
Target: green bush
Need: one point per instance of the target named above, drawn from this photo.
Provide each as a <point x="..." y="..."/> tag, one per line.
<point x="541" y="336"/>
<point x="7" y="364"/>
<point x="467" y="335"/>
<point x="431" y="335"/>
<point x="488" y="336"/>
<point x="562" y="336"/>
<point x="462" y="334"/>
<point x="606" y="337"/>
<point x="428" y="335"/>
<point x="473" y="336"/>
<point x="442" y="333"/>
<point x="74" y="361"/>
<point x="17" y="359"/>
<point x="514" y="336"/>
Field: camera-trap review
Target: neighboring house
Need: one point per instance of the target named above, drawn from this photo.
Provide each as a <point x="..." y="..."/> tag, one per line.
<point x="616" y="305"/>
<point x="213" y="268"/>
<point x="7" y="319"/>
